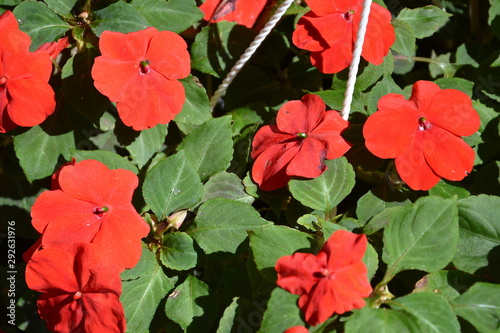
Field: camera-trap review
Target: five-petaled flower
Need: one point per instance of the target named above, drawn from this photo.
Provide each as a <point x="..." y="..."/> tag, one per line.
<point x="140" y="71"/>
<point x="26" y="98"/>
<point x="92" y="204"/>
<point x="329" y="32"/>
<point x="244" y="12"/>
<point x="79" y="292"/>
<point x="304" y="136"/>
<point x="332" y="281"/>
<point x="423" y="134"/>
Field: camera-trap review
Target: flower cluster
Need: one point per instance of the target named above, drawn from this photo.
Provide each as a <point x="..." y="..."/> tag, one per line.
<point x="304" y="136"/>
<point x="329" y="31"/>
<point x="26" y="98"/>
<point x="423" y="134"/>
<point x="332" y="281"/>
<point x="90" y="233"/>
<point x="145" y="67"/>
<point x="244" y="12"/>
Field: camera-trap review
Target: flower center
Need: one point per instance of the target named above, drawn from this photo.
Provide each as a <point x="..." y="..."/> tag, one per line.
<point x="423" y="124"/>
<point x="348" y="15"/>
<point x="325" y="272"/>
<point x="145" y="69"/>
<point x="3" y="79"/>
<point x="77" y="296"/>
<point x="301" y="135"/>
<point x="99" y="211"/>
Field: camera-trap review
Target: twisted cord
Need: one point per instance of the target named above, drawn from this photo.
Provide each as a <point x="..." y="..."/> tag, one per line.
<point x="249" y="51"/>
<point x="353" y="69"/>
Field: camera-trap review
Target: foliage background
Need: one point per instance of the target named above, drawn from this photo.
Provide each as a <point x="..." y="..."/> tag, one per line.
<point x="434" y="255"/>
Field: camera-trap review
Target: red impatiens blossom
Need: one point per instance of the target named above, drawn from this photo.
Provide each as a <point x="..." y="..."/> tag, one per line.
<point x="304" y="136"/>
<point x="92" y="205"/>
<point x="54" y="48"/>
<point x="329" y="32"/>
<point x="333" y="281"/>
<point x="140" y="71"/>
<point x="26" y="98"/>
<point x="244" y="12"/>
<point x="79" y="292"/>
<point x="424" y="134"/>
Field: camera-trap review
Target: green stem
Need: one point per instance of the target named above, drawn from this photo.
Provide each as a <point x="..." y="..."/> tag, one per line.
<point x="427" y="60"/>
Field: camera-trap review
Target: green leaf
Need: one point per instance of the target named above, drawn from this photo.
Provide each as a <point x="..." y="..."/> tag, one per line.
<point x="447" y="284"/>
<point x="78" y="86"/>
<point x="120" y="17"/>
<point x="425" y="21"/>
<point x="192" y="305"/>
<point x="376" y="200"/>
<point x="381" y="321"/>
<point x="479" y="233"/>
<point x="43" y="148"/>
<point x="405" y="43"/>
<point x="282" y="312"/>
<point x="209" y="147"/>
<point x="414" y="238"/>
<point x="457" y="83"/>
<point x="221" y="225"/>
<point x="381" y="220"/>
<point x="112" y="160"/>
<point x="217" y="47"/>
<point x="328" y="190"/>
<point x="173" y="15"/>
<point x="144" y="286"/>
<point x="196" y="109"/>
<point x="273" y="242"/>
<point x="480" y="305"/>
<point x="240" y="314"/>
<point x="446" y="190"/>
<point x="494" y="17"/>
<point x="370" y="259"/>
<point x="369" y="74"/>
<point x="172" y="184"/>
<point x="226" y="185"/>
<point x="63" y="7"/>
<point x="432" y="312"/>
<point x="142" y="145"/>
<point x="177" y="251"/>
<point x="40" y="23"/>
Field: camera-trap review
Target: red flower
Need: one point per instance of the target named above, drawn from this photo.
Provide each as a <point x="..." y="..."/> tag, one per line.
<point x="424" y="134"/>
<point x="244" y="12"/>
<point x="333" y="281"/>
<point x="54" y="48"/>
<point x="329" y="32"/>
<point x="303" y="137"/>
<point x="140" y="71"/>
<point x="79" y="293"/>
<point x="26" y="98"/>
<point x="93" y="205"/>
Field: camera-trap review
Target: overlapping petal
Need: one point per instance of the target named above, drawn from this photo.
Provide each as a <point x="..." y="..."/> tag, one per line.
<point x="244" y="12"/>
<point x="333" y="281"/>
<point x="305" y="135"/>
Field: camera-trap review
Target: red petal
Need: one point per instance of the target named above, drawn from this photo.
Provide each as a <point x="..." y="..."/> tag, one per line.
<point x="328" y="132"/>
<point x="297" y="329"/>
<point x="379" y="34"/>
<point x="413" y="168"/>
<point x="54" y="48"/>
<point x="103" y="313"/>
<point x="31" y="101"/>
<point x="388" y="132"/>
<point x="8" y="21"/>
<point x="295" y="272"/>
<point x="309" y="162"/>
<point x="126" y="47"/>
<point x="168" y="55"/>
<point x="125" y="75"/>
<point x="266" y="137"/>
<point x="301" y="116"/>
<point x="269" y="169"/>
<point x="422" y="94"/>
<point x="61" y="312"/>
<point x="343" y="249"/>
<point x="322" y="7"/>
<point x="158" y="98"/>
<point x="6" y="124"/>
<point x="317" y="305"/>
<point x="447" y="154"/>
<point x="51" y="271"/>
<point x="452" y="110"/>
<point x="247" y="12"/>
<point x="333" y="59"/>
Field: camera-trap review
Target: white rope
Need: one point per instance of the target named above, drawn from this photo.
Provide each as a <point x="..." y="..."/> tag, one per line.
<point x="250" y="51"/>
<point x="353" y="69"/>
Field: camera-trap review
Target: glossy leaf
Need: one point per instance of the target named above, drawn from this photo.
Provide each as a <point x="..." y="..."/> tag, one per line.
<point x="196" y="109"/>
<point x="282" y="312"/>
<point x="425" y="21"/>
<point x="177" y="251"/>
<point x="119" y="17"/>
